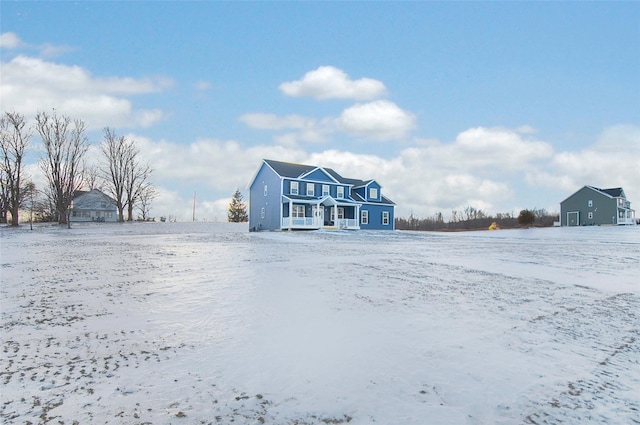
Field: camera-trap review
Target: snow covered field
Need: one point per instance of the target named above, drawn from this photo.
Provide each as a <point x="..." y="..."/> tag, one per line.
<point x="189" y="323"/>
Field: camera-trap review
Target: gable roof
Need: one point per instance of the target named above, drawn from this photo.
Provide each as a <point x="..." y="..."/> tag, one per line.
<point x="615" y="192"/>
<point x="299" y="171"/>
<point x="79" y="193"/>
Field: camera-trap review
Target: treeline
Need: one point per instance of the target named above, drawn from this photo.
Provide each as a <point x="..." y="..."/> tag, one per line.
<point x="476" y="219"/>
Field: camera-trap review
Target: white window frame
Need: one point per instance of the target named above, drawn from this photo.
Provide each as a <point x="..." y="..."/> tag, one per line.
<point x="590" y="215"/>
<point x="298" y="211"/>
<point x="373" y="193"/>
<point x="340" y="213"/>
<point x="294" y="188"/>
<point x="265" y="190"/>
<point x="326" y="190"/>
<point x="340" y="192"/>
<point x="364" y="217"/>
<point x="590" y="203"/>
<point x="385" y="218"/>
<point x="311" y="189"/>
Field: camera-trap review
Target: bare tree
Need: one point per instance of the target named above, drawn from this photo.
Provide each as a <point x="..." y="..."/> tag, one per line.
<point x="147" y="195"/>
<point x="136" y="182"/>
<point x="4" y="198"/>
<point x="115" y="150"/>
<point x="125" y="174"/>
<point x="14" y="138"/>
<point x="66" y="144"/>
<point x="30" y="195"/>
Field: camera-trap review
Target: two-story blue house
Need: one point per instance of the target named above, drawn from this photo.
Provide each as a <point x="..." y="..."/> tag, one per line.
<point x="287" y="196"/>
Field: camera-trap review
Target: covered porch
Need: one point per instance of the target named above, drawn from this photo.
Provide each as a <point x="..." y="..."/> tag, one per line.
<point x="321" y="213"/>
<point x="626" y="216"/>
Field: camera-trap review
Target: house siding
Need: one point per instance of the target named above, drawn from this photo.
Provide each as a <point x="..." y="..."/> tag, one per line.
<point x="271" y="203"/>
<point x="319" y="176"/>
<point x="375" y="217"/>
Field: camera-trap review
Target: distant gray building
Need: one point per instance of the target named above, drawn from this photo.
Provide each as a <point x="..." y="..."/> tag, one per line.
<point x="93" y="205"/>
<point x="591" y="206"/>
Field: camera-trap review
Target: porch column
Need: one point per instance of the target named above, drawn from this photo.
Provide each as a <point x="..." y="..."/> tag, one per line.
<point x="335" y="216"/>
<point x="357" y="217"/>
<point x="290" y="214"/>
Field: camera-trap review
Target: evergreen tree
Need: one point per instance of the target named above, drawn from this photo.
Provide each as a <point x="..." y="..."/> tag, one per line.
<point x="237" y="209"/>
<point x="526" y="218"/>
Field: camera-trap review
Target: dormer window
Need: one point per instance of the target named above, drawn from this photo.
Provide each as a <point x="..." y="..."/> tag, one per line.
<point x="293" y="190"/>
<point x="340" y="192"/>
<point x="373" y="193"/>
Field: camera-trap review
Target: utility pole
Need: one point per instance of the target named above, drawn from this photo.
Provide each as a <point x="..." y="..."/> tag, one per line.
<point x="193" y="218"/>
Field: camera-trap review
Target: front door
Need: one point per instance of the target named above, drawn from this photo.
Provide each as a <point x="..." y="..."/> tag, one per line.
<point x="318" y="215"/>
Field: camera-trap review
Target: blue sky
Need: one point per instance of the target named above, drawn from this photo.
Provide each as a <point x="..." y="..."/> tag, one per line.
<point x="497" y="105"/>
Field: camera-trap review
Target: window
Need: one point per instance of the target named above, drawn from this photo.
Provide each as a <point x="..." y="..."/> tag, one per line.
<point x="265" y="190"/>
<point x="293" y="190"/>
<point x="385" y="217"/>
<point x="590" y="215"/>
<point x="364" y="217"/>
<point x="325" y="190"/>
<point x="298" y="211"/>
<point x="340" y="213"/>
<point x="310" y="189"/>
<point x="590" y="203"/>
<point x="340" y="193"/>
<point x="373" y="193"/>
<point x="262" y="213"/>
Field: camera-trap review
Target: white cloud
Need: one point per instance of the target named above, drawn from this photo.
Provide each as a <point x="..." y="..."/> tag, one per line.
<point x="613" y="161"/>
<point x="619" y="138"/>
<point x="275" y="122"/>
<point x="378" y="120"/>
<point x="202" y="85"/>
<point x="10" y="40"/>
<point x="30" y="85"/>
<point x="49" y="50"/>
<point x="328" y="82"/>
<point x="482" y="147"/>
<point x="306" y="129"/>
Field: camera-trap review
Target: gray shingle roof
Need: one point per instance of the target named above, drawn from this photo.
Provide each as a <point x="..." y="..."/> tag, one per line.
<point x="289" y="169"/>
